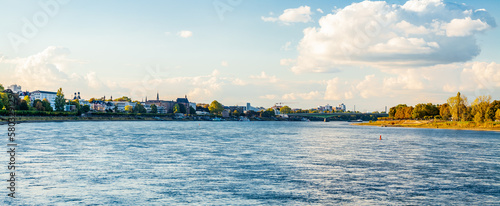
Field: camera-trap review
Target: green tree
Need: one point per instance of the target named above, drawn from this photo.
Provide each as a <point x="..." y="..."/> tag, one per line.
<point x="192" y="111"/>
<point x="1" y="88"/>
<point x="285" y="110"/>
<point x="492" y="110"/>
<point x="85" y="108"/>
<point x="129" y="108"/>
<point x="28" y="101"/>
<point x="215" y="107"/>
<point x="46" y="105"/>
<point x="60" y="101"/>
<point x="267" y="113"/>
<point x="24" y="105"/>
<point x="154" y="108"/>
<point x="139" y="108"/>
<point x="458" y="106"/>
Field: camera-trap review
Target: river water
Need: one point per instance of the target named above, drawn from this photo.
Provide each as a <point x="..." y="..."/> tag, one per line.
<point x="251" y="163"/>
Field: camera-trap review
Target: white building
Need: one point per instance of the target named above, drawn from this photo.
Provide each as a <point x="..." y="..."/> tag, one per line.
<point x="50" y="96"/>
<point x="122" y="104"/>
<point x="341" y="107"/>
<point x="15" y="88"/>
<point x="249" y="107"/>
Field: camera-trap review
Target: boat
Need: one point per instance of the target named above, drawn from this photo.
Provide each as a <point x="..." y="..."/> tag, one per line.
<point x="358" y="120"/>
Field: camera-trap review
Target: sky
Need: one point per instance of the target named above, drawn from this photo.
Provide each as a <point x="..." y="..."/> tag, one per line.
<point x="304" y="54"/>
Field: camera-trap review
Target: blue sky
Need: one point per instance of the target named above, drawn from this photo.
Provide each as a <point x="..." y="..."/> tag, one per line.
<point x="303" y="53"/>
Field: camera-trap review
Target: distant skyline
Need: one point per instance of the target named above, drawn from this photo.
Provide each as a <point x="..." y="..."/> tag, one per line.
<point x="370" y="54"/>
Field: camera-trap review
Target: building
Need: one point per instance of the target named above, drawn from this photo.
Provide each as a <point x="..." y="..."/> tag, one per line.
<point x="50" y="96"/>
<point x="326" y="108"/>
<point x="101" y="106"/>
<point x="122" y="104"/>
<point x="161" y="105"/>
<point x="240" y="109"/>
<point x="340" y="108"/>
<point x="225" y="113"/>
<point x="250" y="108"/>
<point x="184" y="101"/>
<point x="15" y="88"/>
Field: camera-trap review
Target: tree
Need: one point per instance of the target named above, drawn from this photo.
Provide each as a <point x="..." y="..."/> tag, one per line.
<point x="458" y="106"/>
<point x="78" y="108"/>
<point x="285" y="110"/>
<point x="1" y="88"/>
<point x="139" y="108"/>
<point x="479" y="107"/>
<point x="46" y="105"/>
<point x="215" y="107"/>
<point x="444" y="111"/>
<point x="492" y="110"/>
<point x="129" y="109"/>
<point x="60" y="101"/>
<point x="24" y="105"/>
<point x="124" y="98"/>
<point x="497" y="115"/>
<point x="91" y="100"/>
<point x="267" y="113"/>
<point x="39" y="106"/>
<point x="28" y="101"/>
<point x="85" y="108"/>
<point x="177" y="108"/>
<point x="236" y="113"/>
<point x="154" y="108"/>
<point x="192" y="110"/>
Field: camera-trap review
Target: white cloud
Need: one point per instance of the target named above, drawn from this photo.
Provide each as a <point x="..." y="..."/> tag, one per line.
<point x="93" y="81"/>
<point x="306" y="96"/>
<point x="185" y="34"/>
<point x="268" y="96"/>
<point x="301" y="14"/>
<point x="269" y="19"/>
<point x="319" y="10"/>
<point x="45" y="70"/>
<point x="422" y="5"/>
<point x="464" y="27"/>
<point x="378" y="34"/>
<point x="264" y="76"/>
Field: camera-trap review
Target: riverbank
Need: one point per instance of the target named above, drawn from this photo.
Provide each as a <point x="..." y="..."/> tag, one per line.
<point x="432" y="124"/>
<point x="34" y="119"/>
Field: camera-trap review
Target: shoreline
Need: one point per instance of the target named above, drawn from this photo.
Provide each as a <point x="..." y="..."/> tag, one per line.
<point x="430" y="124"/>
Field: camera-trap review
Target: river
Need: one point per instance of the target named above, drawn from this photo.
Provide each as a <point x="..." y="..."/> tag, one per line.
<point x="251" y="163"/>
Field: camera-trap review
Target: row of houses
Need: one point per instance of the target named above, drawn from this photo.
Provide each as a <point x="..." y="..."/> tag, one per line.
<point x="163" y="106"/>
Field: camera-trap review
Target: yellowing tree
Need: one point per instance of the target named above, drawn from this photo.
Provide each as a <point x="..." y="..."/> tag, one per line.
<point x="458" y="106"/>
<point x="129" y="108"/>
<point x="215" y="107"/>
<point x="285" y="109"/>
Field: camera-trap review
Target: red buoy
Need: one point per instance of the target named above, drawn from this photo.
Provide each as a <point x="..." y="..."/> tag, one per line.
<point x="380" y="137"/>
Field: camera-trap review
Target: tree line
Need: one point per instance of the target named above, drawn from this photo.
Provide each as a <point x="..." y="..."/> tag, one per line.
<point x="456" y="108"/>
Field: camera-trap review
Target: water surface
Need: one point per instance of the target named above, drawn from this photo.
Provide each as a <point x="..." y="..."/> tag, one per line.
<point x="252" y="163"/>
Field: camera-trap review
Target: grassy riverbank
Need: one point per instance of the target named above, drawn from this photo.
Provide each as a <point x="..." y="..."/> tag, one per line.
<point x="466" y="125"/>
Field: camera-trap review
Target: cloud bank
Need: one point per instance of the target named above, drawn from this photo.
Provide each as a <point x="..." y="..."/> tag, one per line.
<point x="375" y="33"/>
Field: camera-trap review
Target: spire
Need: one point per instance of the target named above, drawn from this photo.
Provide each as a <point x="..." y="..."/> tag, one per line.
<point x="157" y="96"/>
<point x="146" y="98"/>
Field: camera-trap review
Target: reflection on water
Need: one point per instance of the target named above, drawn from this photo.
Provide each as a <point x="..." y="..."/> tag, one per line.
<point x="283" y="163"/>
